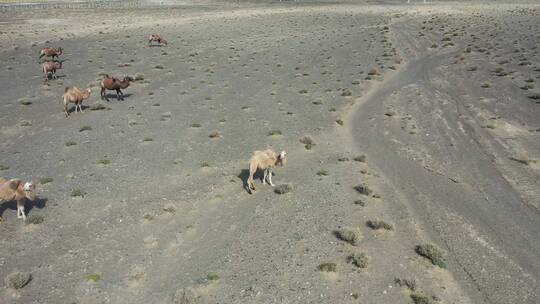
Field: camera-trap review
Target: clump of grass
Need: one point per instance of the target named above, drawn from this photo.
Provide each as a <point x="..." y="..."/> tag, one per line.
<point x="346" y="92"/>
<point x="138" y="77"/>
<point x="205" y="164"/>
<point x="25" y="123"/>
<point x="85" y="128"/>
<point x="360" y="158"/>
<point x="274" y="133"/>
<point x="214" y="134"/>
<point x="409" y="283"/>
<point x="70" y="143"/>
<point x="308" y="142"/>
<point x="361" y="260"/>
<point x="323" y="172"/>
<point x="373" y="72"/>
<point x="148" y="217"/>
<point x="340" y="122"/>
<point x="420" y="299"/>
<point x="18" y="279"/>
<point x="25" y="102"/>
<point x="185" y="296"/>
<point x="378" y="224"/>
<point x="343" y="159"/>
<point x="159" y="67"/>
<point x="169" y="209"/>
<point x="363" y="189"/>
<point x="327" y="267"/>
<point x="534" y="96"/>
<point x="195" y="125"/>
<point x="34" y="219"/>
<point x="360" y="203"/>
<point x="283" y="188"/>
<point x="432" y="253"/>
<point x="103" y="161"/>
<point x="46" y="180"/>
<point x="148" y="139"/>
<point x="348" y="236"/>
<point x="77" y="193"/>
<point x="212" y="276"/>
<point x="92" y="277"/>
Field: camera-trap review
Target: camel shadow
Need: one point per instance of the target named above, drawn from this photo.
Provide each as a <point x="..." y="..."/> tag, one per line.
<point x="244" y="175"/>
<point x="114" y="96"/>
<point x="72" y="109"/>
<point x="39" y="203"/>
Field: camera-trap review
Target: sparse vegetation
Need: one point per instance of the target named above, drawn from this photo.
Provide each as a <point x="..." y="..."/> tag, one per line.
<point x="409" y="283"/>
<point x="195" y="125"/>
<point x="2" y="167"/>
<point x="148" y="139"/>
<point x="327" y="267"/>
<point x="363" y="189"/>
<point x="308" y="142"/>
<point x="205" y="164"/>
<point x="70" y="143"/>
<point x="274" y="133"/>
<point x="378" y="224"/>
<point x="169" y="209"/>
<point x="214" y="134"/>
<point x="432" y="253"/>
<point x="420" y="299"/>
<point x="85" y="128"/>
<point x="348" y="236"/>
<point x="185" y="296"/>
<point x="92" y="277"/>
<point x="77" y="193"/>
<point x="322" y="172"/>
<point x="360" y="203"/>
<point x="343" y="159"/>
<point x="340" y="122"/>
<point x="283" y="188"/>
<point x="46" y="180"/>
<point x="103" y="161"/>
<point x="34" y="219"/>
<point x="360" y="158"/>
<point x="373" y="72"/>
<point x="360" y="260"/>
<point x="212" y="276"/>
<point x="17" y="279"/>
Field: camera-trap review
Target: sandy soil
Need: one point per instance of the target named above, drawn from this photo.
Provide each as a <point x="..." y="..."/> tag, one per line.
<point x="440" y="99"/>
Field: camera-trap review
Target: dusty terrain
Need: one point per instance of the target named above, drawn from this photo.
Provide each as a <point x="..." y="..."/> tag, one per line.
<point x="434" y="107"/>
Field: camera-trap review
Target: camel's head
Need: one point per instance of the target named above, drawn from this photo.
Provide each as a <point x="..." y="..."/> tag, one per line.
<point x="29" y="190"/>
<point x="281" y="159"/>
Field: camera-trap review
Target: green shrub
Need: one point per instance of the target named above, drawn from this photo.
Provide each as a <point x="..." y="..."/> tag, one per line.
<point x="432" y="253"/>
<point x="327" y="267"/>
<point x="360" y="260"/>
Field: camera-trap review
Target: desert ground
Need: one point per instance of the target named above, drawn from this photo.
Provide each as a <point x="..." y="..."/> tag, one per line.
<point x="412" y="173"/>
